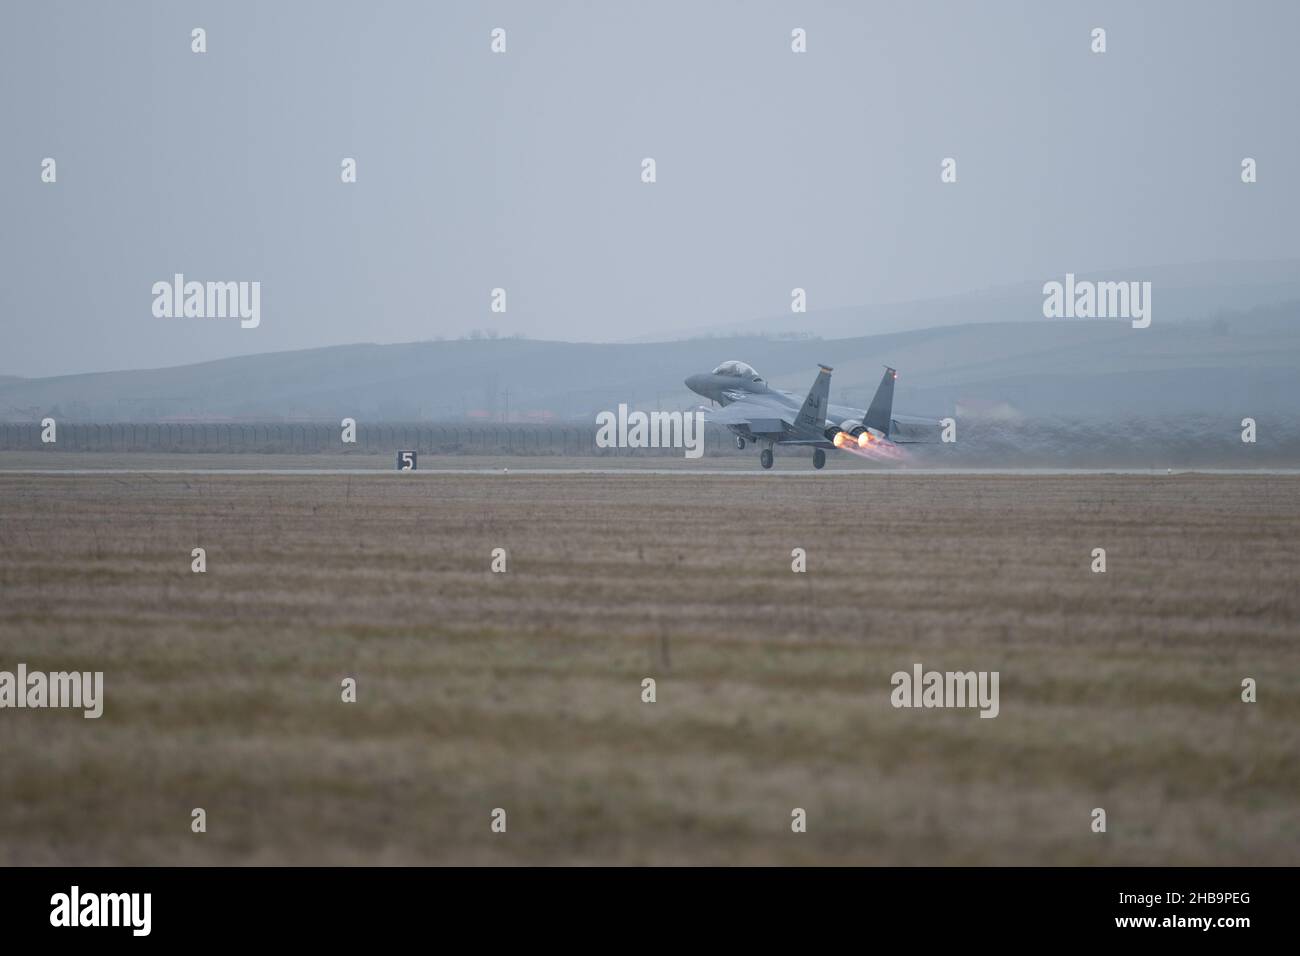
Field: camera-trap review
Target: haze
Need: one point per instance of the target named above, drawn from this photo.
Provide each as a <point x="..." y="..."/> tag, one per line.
<point x="522" y="170"/>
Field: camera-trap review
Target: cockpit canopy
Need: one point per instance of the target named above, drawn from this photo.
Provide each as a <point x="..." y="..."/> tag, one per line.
<point x="736" y="369"/>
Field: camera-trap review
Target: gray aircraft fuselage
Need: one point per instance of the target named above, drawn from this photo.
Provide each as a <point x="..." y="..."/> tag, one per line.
<point x="725" y="389"/>
<point x="755" y="411"/>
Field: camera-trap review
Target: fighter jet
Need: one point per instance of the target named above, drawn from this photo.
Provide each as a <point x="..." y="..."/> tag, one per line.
<point x="756" y="412"/>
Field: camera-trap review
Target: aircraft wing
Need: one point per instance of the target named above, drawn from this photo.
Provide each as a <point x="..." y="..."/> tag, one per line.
<point x="759" y="418"/>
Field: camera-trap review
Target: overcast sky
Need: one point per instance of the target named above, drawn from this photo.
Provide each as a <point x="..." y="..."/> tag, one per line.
<point x="522" y="170"/>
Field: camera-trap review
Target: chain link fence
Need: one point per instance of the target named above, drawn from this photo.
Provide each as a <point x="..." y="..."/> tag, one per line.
<point x="1047" y="443"/>
<point x="309" y="438"/>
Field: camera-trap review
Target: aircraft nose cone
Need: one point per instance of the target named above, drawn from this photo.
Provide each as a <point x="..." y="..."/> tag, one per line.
<point x="693" y="382"/>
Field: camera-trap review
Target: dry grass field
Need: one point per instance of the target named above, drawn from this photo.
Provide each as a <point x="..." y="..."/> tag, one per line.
<point x="523" y="690"/>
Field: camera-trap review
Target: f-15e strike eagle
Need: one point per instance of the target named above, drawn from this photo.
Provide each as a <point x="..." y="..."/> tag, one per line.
<point x="756" y="412"/>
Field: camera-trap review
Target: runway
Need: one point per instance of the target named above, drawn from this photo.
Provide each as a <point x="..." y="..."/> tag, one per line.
<point x="666" y="472"/>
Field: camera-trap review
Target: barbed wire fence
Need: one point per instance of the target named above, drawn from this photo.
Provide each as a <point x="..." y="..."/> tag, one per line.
<point x="1157" y="444"/>
<point x="320" y="438"/>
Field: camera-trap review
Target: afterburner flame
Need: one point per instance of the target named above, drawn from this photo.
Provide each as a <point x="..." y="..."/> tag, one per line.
<point x="876" y="449"/>
<point x="867" y="445"/>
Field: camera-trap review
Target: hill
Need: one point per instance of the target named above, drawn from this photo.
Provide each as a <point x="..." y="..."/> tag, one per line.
<point x="1242" y="363"/>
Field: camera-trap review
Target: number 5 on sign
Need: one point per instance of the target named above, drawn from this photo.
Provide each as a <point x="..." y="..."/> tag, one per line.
<point x="406" y="461"/>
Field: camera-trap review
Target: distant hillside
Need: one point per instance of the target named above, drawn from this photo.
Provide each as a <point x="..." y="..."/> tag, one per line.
<point x="1245" y="363"/>
<point x="1180" y="293"/>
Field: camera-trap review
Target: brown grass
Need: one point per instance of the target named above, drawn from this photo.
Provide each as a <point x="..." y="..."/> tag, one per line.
<point x="522" y="690"/>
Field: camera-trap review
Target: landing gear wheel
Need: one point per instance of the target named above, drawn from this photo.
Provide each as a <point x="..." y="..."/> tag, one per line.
<point x="765" y="459"/>
<point x="740" y="443"/>
<point x="819" y="458"/>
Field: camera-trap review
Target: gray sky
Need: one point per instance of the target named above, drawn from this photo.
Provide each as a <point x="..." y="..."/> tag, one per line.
<point x="522" y="170"/>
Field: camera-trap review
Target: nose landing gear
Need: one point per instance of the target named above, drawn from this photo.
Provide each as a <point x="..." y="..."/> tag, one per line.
<point x="740" y="442"/>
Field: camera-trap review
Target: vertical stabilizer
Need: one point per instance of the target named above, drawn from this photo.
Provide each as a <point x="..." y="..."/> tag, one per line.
<point x="813" y="413"/>
<point x="882" y="405"/>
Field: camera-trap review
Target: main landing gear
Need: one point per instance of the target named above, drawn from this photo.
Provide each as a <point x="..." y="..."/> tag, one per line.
<point x="765" y="458"/>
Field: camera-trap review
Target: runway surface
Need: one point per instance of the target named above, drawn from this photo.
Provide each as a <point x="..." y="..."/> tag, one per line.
<point x="631" y="472"/>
